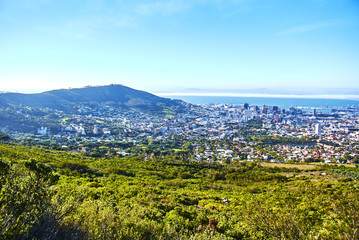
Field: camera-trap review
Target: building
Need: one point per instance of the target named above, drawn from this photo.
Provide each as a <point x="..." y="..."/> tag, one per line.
<point x="318" y="129"/>
<point x="275" y="109"/>
<point x="42" y="131"/>
<point x="264" y="109"/>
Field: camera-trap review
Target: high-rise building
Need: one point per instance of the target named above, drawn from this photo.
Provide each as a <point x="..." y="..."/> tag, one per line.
<point x="293" y="110"/>
<point x="265" y="109"/>
<point x="275" y="109"/>
<point x="318" y="129"/>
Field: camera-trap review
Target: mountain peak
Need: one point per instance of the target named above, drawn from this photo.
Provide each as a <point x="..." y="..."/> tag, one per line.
<point x="114" y="94"/>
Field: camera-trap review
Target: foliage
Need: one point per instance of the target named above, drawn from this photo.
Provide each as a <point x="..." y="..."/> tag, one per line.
<point x="282" y="140"/>
<point x="165" y="197"/>
<point x="112" y="96"/>
<point x="4" y="138"/>
<point x="24" y="197"/>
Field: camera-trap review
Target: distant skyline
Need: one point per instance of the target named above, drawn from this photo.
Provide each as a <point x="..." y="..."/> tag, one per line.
<point x="275" y="47"/>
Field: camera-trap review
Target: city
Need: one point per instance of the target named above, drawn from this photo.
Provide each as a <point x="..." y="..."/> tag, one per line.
<point x="179" y="120"/>
<point x="220" y="133"/>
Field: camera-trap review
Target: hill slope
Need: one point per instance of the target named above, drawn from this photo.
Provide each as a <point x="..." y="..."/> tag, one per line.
<point x="117" y="95"/>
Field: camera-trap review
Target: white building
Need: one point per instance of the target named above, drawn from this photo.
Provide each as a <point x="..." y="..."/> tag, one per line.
<point x="106" y="131"/>
<point x="318" y="129"/>
<point x="42" y="131"/>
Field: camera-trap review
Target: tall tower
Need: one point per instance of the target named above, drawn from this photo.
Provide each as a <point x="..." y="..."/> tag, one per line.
<point x="318" y="129"/>
<point x="264" y="109"/>
<point x="275" y="109"/>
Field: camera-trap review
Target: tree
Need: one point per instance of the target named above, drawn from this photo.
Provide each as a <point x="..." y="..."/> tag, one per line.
<point x="24" y="196"/>
<point x="347" y="157"/>
<point x="4" y="138"/>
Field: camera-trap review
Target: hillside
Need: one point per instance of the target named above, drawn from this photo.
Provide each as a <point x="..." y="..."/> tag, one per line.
<point x="114" y="95"/>
<point x="75" y="196"/>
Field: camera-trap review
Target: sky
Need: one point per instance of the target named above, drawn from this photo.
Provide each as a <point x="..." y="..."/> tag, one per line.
<point x="182" y="46"/>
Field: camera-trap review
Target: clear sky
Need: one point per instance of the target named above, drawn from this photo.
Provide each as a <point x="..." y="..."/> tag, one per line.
<point x="174" y="45"/>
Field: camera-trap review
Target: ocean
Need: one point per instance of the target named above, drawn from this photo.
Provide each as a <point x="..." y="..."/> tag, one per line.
<point x="285" y="103"/>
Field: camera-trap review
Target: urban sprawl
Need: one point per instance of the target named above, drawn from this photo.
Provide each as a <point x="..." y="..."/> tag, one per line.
<point x="219" y="133"/>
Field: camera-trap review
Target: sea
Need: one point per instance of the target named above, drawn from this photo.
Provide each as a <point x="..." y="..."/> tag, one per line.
<point x="286" y="103"/>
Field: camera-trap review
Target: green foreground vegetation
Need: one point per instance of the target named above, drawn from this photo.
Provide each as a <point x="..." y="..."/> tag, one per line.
<point x="49" y="194"/>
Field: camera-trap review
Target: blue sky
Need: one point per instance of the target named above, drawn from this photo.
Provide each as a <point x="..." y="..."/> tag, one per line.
<point x="306" y="46"/>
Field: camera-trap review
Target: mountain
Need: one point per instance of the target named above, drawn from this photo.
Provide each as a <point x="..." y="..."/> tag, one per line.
<point x="114" y="95"/>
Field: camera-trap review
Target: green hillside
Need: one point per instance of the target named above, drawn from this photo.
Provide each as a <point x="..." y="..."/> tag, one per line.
<point x="115" y="95"/>
<point x="63" y="195"/>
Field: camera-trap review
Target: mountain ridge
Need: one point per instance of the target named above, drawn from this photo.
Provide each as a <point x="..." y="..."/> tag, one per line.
<point x="114" y="94"/>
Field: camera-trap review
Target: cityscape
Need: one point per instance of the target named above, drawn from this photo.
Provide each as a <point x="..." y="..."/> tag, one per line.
<point x="179" y="120"/>
<point x="173" y="169"/>
<point x="211" y="133"/>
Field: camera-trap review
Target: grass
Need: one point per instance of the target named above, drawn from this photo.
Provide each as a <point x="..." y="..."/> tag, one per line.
<point x="336" y="164"/>
<point x="289" y="165"/>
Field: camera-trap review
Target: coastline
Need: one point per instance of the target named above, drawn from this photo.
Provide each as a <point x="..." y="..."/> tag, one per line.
<point x="283" y="102"/>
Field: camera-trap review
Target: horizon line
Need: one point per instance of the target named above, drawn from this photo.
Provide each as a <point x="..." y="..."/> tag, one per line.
<point x="308" y="96"/>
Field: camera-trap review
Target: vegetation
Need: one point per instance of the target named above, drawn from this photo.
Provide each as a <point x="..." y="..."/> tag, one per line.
<point x="4" y="138"/>
<point x="282" y="140"/>
<point x="65" y="195"/>
<point x="27" y="120"/>
<point x="117" y="96"/>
